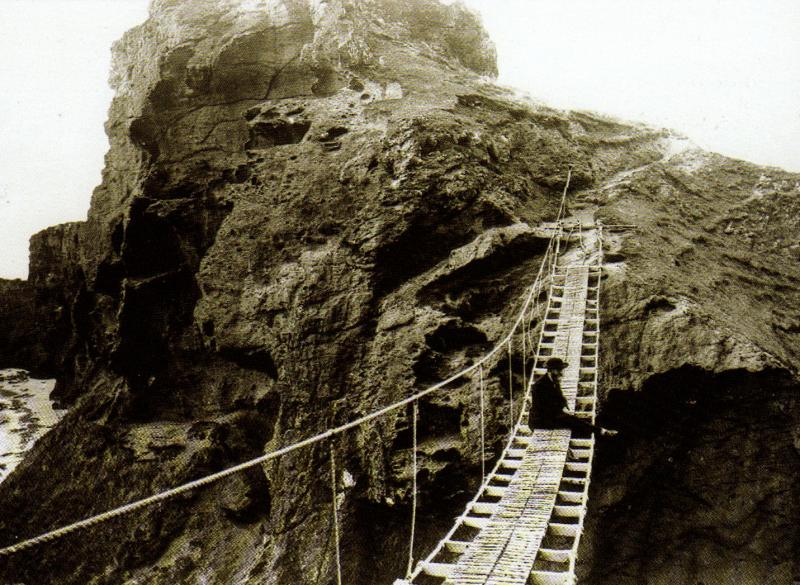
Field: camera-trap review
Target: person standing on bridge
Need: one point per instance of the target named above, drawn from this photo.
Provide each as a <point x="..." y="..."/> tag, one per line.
<point x="549" y="409"/>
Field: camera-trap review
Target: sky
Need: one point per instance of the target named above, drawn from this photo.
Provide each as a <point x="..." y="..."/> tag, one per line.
<point x="54" y="97"/>
<point x="726" y="73"/>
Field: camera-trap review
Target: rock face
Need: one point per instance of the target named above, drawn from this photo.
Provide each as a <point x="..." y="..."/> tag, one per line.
<point x="312" y="209"/>
<point x="18" y="316"/>
<point x="37" y="328"/>
<point x="701" y="318"/>
<point x="701" y="491"/>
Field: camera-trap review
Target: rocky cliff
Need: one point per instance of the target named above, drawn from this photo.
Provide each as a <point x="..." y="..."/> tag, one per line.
<point x="702" y="319"/>
<point x="18" y="340"/>
<point x="311" y="209"/>
<point x="37" y="329"/>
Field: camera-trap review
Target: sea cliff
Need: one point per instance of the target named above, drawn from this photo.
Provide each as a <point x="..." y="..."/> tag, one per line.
<point x="309" y="210"/>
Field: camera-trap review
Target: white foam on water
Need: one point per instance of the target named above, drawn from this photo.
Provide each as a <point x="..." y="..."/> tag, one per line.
<point x="26" y="414"/>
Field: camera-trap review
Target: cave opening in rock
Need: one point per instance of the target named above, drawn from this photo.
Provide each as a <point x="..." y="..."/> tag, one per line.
<point x="259" y="359"/>
<point x="266" y="134"/>
<point x="454" y="335"/>
<point x="484" y="286"/>
<point x="701" y="484"/>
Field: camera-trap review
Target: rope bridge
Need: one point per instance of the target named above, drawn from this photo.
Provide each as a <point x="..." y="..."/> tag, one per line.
<point x="525" y="520"/>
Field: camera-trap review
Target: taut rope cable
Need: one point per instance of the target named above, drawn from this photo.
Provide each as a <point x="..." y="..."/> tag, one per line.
<point x="413" y="488"/>
<point x="512" y="433"/>
<point x="547" y="271"/>
<point x="335" y="516"/>
<point x="563" y="205"/>
<point x="483" y="438"/>
<point x="510" y="390"/>
<point x="531" y="314"/>
<point x="524" y="359"/>
<point x="211" y="478"/>
<point x="598" y="305"/>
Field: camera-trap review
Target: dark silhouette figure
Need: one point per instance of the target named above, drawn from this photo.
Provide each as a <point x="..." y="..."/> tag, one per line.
<point x="549" y="408"/>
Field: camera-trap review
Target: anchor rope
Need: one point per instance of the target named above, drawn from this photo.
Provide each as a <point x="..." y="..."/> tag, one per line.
<point x="524" y="361"/>
<point x="483" y="424"/>
<point x="549" y="259"/>
<point x="335" y="515"/>
<point x="214" y="477"/>
<point x="413" y="487"/>
<point x="563" y="205"/>
<point x="510" y="389"/>
<point x="509" y="441"/>
<point x="547" y="270"/>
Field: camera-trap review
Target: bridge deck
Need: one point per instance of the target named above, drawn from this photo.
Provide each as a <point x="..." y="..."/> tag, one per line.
<point x="530" y="513"/>
<point x="504" y="551"/>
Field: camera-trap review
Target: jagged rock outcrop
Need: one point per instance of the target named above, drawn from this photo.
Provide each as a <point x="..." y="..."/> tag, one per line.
<point x="19" y="343"/>
<point x="310" y="209"/>
<point x="36" y="316"/>
<point x="702" y="306"/>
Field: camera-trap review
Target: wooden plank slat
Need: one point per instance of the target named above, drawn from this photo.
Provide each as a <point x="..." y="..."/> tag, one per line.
<point x="530" y="478"/>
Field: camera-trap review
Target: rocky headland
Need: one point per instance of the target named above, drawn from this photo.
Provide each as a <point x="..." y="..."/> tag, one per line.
<point x="311" y="209"/>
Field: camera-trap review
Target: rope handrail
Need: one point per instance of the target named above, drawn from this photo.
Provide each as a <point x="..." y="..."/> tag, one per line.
<point x="421" y="566"/>
<point x="335" y="507"/>
<point x="415" y="415"/>
<point x="329" y="433"/>
<point x="550" y="260"/>
<point x="211" y="478"/>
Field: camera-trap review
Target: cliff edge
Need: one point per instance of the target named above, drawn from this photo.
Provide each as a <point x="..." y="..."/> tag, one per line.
<point x="312" y="208"/>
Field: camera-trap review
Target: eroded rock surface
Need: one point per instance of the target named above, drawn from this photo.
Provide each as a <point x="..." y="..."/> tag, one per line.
<point x="36" y="314"/>
<point x="18" y="344"/>
<point x="312" y="209"/>
<point x="701" y="489"/>
<point x="700" y="304"/>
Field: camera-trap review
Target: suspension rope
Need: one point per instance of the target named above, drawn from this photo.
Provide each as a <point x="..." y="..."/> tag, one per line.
<point x="335" y="516"/>
<point x="531" y="343"/>
<point x="524" y="359"/>
<point x="600" y="261"/>
<point x="585" y="251"/>
<point x="546" y="272"/>
<point x="563" y="205"/>
<point x="413" y="488"/>
<point x="509" y="444"/>
<point x="483" y="436"/>
<point x="510" y="389"/>
<point x="548" y="261"/>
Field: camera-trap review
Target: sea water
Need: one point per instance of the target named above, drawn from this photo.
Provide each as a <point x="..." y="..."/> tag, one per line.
<point x="26" y="413"/>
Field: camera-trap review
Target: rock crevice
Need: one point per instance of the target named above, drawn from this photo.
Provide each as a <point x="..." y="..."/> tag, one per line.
<point x="311" y="210"/>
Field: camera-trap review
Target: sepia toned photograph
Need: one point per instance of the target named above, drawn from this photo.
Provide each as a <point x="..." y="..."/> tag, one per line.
<point x="399" y="292"/>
